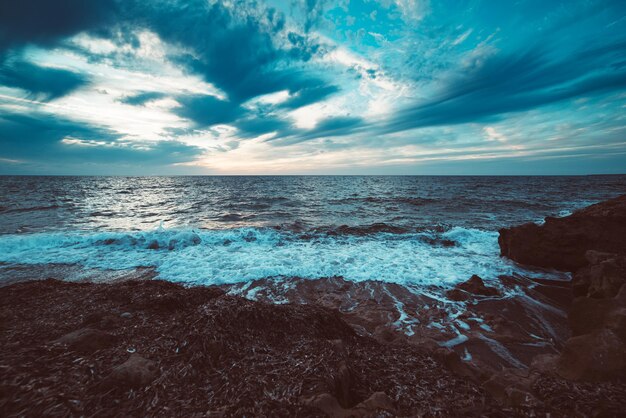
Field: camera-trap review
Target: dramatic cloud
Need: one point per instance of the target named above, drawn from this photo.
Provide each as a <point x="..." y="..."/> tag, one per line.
<point x="516" y="82"/>
<point x="42" y="138"/>
<point x="42" y="82"/>
<point x="233" y="49"/>
<point x="208" y="110"/>
<point x="312" y="86"/>
<point x="45" y="22"/>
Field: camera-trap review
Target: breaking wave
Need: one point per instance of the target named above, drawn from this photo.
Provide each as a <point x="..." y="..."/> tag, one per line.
<point x="440" y="257"/>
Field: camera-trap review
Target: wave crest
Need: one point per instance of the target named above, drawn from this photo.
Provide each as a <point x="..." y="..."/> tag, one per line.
<point x="441" y="257"/>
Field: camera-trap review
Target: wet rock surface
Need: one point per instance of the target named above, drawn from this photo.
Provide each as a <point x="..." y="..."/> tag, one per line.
<point x="486" y="327"/>
<point x="473" y="286"/>
<point x="591" y="243"/>
<point x="205" y="353"/>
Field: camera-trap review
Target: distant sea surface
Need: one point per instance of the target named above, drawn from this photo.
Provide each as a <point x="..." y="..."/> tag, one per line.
<point x="212" y="230"/>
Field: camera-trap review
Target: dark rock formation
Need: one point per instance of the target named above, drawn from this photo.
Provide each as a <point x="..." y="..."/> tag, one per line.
<point x="595" y="356"/>
<point x="561" y="243"/>
<point x="476" y="286"/>
<point x="591" y="243"/>
<point x="602" y="278"/>
<point x="494" y="332"/>
<point x="597" y="318"/>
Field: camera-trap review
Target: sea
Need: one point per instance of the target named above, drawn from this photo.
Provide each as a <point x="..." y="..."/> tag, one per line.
<point x="206" y="230"/>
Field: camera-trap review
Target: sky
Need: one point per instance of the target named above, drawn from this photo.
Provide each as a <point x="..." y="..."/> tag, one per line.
<point x="149" y="87"/>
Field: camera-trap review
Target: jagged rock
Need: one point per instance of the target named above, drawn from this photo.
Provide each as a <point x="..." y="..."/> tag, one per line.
<point x="561" y="243"/>
<point x="609" y="276"/>
<point x="475" y="286"/>
<point x="602" y="279"/>
<point x="133" y="373"/>
<point x="596" y="356"/>
<point x="87" y="340"/>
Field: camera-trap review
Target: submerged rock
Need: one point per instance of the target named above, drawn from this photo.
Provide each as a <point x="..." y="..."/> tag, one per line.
<point x="476" y="286"/>
<point x="473" y="286"/>
<point x="561" y="243"/>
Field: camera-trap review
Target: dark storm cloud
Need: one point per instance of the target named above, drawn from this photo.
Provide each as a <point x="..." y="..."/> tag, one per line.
<point x="513" y="82"/>
<point x="231" y="48"/>
<point x="43" y="83"/>
<point x="256" y="125"/>
<point x="208" y="110"/>
<point x="44" y="22"/>
<point x="23" y="135"/>
<point x="142" y="98"/>
<point x="235" y="52"/>
<point x="39" y="137"/>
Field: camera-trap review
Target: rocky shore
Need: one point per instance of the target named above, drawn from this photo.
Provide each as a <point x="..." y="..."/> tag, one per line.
<point x="591" y="243"/>
<point x="329" y="347"/>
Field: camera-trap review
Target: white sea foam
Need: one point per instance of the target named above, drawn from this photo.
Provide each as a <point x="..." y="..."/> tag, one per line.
<point x="236" y="255"/>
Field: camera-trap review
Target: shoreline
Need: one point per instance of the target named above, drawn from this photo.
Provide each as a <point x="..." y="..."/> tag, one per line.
<point x="169" y="349"/>
<point x="331" y="347"/>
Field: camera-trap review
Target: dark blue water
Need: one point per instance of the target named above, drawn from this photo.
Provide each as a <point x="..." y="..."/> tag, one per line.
<point x="401" y="229"/>
<point x="37" y="204"/>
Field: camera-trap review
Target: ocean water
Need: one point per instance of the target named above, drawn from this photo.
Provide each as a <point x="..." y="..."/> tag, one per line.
<point x="435" y="231"/>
